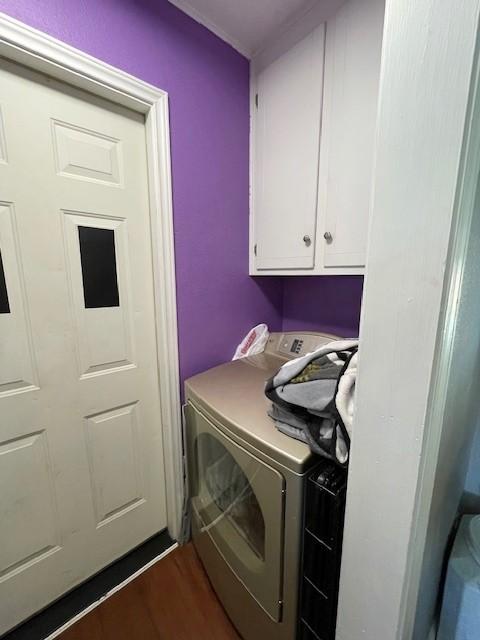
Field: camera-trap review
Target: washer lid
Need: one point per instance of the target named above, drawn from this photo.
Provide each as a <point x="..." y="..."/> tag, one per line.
<point x="233" y="395"/>
<point x="473" y="538"/>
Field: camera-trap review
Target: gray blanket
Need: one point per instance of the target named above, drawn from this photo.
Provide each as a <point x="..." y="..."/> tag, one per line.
<point x="313" y="398"/>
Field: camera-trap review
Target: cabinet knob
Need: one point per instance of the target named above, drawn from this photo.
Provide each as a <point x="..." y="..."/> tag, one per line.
<point x="328" y="236"/>
<point x="307" y="240"/>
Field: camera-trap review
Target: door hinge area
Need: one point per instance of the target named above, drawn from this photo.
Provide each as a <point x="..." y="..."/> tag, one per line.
<point x="254" y="249"/>
<point x="256" y="100"/>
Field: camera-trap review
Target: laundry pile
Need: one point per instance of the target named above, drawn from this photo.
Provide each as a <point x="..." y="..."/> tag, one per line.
<point x="313" y="398"/>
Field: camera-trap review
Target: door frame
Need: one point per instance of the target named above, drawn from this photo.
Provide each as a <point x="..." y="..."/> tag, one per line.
<point x="422" y="190"/>
<point x="42" y="53"/>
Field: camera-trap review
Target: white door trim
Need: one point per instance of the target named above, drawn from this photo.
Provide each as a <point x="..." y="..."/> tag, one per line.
<point x="40" y="52"/>
<point x="456" y="273"/>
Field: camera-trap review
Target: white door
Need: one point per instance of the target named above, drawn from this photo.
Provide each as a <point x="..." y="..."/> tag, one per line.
<point x="287" y="139"/>
<point x="81" y="460"/>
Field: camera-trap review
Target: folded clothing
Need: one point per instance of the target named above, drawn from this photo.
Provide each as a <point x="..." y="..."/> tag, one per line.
<point x="313" y="398"/>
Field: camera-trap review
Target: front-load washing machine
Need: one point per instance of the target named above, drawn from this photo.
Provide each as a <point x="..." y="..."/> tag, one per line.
<point x="246" y="482"/>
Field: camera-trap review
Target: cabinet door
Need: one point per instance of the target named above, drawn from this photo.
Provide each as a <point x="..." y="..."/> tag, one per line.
<point x="285" y="170"/>
<point x="352" y="68"/>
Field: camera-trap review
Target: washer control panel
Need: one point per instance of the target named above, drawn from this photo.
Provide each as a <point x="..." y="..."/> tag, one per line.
<point x="294" y="344"/>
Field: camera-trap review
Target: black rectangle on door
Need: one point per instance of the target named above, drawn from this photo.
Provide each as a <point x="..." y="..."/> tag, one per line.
<point x="4" y="303"/>
<point x="99" y="267"/>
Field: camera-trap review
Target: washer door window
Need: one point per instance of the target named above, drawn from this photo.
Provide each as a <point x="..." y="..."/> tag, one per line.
<point x="238" y="501"/>
<point x="229" y="489"/>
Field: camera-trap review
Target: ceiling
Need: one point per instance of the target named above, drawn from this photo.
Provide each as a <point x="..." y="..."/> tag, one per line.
<point x="248" y="25"/>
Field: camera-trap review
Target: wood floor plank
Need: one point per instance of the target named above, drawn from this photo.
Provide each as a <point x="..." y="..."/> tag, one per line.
<point x="173" y="600"/>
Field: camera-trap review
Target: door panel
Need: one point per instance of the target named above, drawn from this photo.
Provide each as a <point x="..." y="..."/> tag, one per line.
<point x="103" y="331"/>
<point x="3" y="142"/>
<point x="87" y="155"/>
<point x="30" y="499"/>
<point x="239" y="502"/>
<point x="112" y="442"/>
<point x="81" y="457"/>
<point x="17" y="369"/>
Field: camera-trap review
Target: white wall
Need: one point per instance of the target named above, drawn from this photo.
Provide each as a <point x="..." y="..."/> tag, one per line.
<point x="428" y="53"/>
<point x="462" y="404"/>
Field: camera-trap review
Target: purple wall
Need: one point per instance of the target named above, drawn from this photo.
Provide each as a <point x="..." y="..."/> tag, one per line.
<point x="207" y="82"/>
<point x="324" y="303"/>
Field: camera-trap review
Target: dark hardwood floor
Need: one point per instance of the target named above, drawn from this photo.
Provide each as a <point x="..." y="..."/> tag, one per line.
<point x="173" y="600"/>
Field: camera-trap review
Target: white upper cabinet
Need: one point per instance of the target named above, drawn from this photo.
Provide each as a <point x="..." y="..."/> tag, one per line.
<point x="312" y="147"/>
<point x="287" y="135"/>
